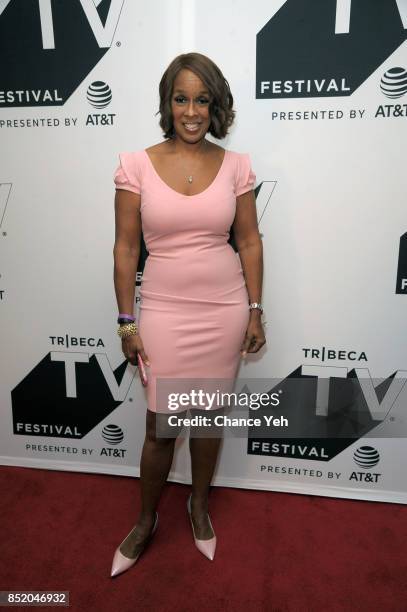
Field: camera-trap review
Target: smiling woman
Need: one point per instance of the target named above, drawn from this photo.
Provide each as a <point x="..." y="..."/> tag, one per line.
<point x="210" y="90"/>
<point x="194" y="124"/>
<point x="195" y="320"/>
<point x="201" y="100"/>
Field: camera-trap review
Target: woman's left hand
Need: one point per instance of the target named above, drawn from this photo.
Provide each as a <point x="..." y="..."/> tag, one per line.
<point x="255" y="337"/>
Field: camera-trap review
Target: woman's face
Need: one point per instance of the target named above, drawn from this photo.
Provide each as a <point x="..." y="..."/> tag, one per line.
<point x="190" y="106"/>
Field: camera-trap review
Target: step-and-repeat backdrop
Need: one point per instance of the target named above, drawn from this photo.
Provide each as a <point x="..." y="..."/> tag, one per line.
<point x="320" y="90"/>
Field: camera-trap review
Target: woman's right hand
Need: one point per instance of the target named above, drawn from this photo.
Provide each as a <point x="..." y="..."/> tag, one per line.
<point x="131" y="345"/>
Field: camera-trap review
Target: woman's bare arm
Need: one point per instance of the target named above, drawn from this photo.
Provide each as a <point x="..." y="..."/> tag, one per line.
<point x="250" y="248"/>
<point x="126" y="250"/>
<point x="249" y="244"/>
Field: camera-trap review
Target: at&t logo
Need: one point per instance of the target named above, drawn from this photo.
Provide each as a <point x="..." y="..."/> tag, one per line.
<point x="366" y="457"/>
<point x="394" y="82"/>
<point x="99" y="95"/>
<point x="113" y="435"/>
<point x="393" y="85"/>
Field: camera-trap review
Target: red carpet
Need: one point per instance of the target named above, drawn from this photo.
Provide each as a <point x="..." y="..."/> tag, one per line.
<point x="276" y="551"/>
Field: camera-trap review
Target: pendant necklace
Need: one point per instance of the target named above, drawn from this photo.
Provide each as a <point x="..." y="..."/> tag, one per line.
<point x="189" y="177"/>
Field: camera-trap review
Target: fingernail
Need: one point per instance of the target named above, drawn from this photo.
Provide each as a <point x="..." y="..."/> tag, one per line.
<point x="244" y="354"/>
<point x="148" y="363"/>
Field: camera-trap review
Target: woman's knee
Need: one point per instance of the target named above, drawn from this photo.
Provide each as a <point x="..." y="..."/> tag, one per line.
<point x="158" y="431"/>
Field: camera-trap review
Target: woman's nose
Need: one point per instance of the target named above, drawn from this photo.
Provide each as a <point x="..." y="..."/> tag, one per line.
<point x="190" y="110"/>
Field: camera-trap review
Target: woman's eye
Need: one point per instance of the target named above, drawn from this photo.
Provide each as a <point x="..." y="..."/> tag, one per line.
<point x="181" y="99"/>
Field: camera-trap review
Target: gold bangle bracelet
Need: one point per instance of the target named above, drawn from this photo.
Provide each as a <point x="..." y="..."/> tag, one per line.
<point x="129" y="329"/>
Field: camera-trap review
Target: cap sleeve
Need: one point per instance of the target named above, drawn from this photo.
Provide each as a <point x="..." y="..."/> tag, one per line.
<point x="246" y="178"/>
<point x="126" y="175"/>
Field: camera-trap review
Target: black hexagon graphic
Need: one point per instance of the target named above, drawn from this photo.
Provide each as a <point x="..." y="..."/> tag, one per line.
<point x="299" y="43"/>
<point x="28" y="67"/>
<point x="348" y="418"/>
<point x="40" y="398"/>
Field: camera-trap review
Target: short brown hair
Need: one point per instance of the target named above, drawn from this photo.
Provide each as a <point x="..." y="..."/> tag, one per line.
<point x="221" y="106"/>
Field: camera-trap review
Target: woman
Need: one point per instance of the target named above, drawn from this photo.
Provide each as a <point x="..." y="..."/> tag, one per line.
<point x="200" y="302"/>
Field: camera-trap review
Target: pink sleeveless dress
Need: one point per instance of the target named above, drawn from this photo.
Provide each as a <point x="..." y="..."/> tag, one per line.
<point x="194" y="301"/>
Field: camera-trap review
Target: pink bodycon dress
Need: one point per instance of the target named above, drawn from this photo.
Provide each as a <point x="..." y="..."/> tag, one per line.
<point x="194" y="302"/>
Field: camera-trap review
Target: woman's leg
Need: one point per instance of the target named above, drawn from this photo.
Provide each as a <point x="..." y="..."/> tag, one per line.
<point x="156" y="460"/>
<point x="204" y="453"/>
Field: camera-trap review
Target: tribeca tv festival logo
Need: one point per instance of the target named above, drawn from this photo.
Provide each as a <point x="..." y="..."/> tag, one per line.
<point x="326" y="47"/>
<point x="68" y="393"/>
<point x="53" y="46"/>
<point x="327" y="412"/>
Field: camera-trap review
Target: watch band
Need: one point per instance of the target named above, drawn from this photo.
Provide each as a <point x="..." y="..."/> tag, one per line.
<point x="257" y="305"/>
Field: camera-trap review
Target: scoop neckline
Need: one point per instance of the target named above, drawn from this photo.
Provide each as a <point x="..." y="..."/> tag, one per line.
<point x="194" y="195"/>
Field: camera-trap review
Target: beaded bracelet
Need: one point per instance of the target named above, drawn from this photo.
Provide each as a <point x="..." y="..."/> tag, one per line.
<point x="125" y="318"/>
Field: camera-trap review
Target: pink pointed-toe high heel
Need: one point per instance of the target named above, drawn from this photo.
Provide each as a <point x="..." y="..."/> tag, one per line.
<point x="120" y="562"/>
<point x="206" y="547"/>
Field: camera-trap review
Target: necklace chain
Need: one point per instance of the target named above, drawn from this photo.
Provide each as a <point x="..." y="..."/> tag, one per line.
<point x="189" y="177"/>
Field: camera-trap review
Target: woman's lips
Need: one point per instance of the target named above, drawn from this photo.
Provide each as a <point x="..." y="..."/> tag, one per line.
<point x="192" y="127"/>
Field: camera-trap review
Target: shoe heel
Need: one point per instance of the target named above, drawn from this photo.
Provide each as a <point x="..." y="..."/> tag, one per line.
<point x="121" y="563"/>
<point x="206" y="547"/>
